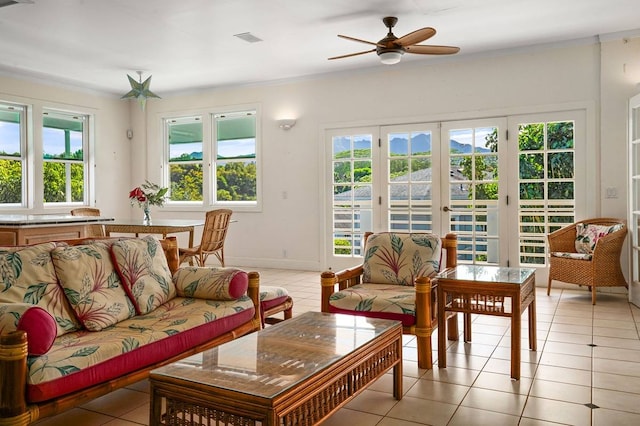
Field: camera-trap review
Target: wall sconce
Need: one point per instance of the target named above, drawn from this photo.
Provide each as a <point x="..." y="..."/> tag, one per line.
<point x="286" y="124"/>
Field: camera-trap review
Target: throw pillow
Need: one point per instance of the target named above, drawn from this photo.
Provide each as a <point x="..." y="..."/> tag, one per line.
<point x="39" y="325"/>
<point x="587" y="235"/>
<point x="27" y="275"/>
<point x="211" y="283"/>
<point x="143" y="269"/>
<point x="394" y="258"/>
<point x="92" y="286"/>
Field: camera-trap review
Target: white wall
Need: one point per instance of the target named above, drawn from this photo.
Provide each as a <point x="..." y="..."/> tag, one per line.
<point x="453" y="89"/>
<point x="586" y="74"/>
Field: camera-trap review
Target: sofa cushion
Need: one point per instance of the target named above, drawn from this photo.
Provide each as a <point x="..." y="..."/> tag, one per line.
<point x="399" y="259"/>
<point x="91" y="285"/>
<point x="143" y="269"/>
<point x="211" y="282"/>
<point x="387" y="301"/>
<point x="587" y="235"/>
<point x="27" y="275"/>
<point x="39" y="325"/>
<point x="81" y="359"/>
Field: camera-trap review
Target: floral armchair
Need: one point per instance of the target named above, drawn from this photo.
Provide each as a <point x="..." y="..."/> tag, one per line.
<point x="588" y="253"/>
<point x="394" y="282"/>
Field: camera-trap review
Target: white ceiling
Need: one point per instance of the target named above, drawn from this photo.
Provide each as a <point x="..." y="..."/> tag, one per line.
<point x="189" y="44"/>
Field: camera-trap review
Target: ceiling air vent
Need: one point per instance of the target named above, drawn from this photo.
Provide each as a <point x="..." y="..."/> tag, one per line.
<point x="248" y="37"/>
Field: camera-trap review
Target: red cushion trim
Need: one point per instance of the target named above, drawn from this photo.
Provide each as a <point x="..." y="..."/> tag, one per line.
<point x="144" y="356"/>
<point x="268" y="304"/>
<point x="407" y="320"/>
<point x="41" y="330"/>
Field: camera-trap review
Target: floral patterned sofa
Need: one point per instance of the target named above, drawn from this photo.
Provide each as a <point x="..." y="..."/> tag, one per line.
<point x="81" y="318"/>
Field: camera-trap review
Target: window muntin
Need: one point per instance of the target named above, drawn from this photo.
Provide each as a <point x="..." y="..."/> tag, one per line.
<point x="64" y="138"/>
<point x="12" y="154"/>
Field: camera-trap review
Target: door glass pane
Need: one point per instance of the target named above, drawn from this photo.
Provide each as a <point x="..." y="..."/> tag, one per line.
<point x="352" y="192"/>
<point x="409" y="181"/>
<point x="546" y="180"/>
<point x="473" y="193"/>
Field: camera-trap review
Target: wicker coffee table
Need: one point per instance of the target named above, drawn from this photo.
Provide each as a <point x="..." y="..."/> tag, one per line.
<point x="296" y="372"/>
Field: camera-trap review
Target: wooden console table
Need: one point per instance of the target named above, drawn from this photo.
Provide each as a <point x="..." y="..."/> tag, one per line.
<point x="474" y="289"/>
<point x="22" y="229"/>
<point x="295" y="372"/>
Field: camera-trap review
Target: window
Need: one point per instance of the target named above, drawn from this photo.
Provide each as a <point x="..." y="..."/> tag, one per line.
<point x="185" y="158"/>
<point x="64" y="168"/>
<point x="213" y="167"/>
<point x="12" y="154"/>
<point x="235" y="147"/>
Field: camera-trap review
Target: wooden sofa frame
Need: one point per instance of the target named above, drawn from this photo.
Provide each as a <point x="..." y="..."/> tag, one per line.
<point x="426" y="309"/>
<point x="14" y="409"/>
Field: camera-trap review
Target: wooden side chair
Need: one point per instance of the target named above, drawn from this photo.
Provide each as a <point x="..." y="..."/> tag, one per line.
<point x="395" y="282"/>
<point x="212" y="242"/>
<point x="96" y="230"/>
<point x="588" y="253"/>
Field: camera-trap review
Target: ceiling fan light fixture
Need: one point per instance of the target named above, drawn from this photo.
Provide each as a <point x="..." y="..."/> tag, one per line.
<point x="390" y="57"/>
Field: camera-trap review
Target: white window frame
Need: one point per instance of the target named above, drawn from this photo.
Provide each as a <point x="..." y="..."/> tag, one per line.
<point x="87" y="121"/>
<point x="209" y="159"/>
<point x="22" y="110"/>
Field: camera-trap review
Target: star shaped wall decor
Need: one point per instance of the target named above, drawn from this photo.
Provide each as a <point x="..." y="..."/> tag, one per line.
<point x="140" y="90"/>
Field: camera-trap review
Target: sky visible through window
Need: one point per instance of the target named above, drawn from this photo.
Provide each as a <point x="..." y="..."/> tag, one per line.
<point x="53" y="139"/>
<point x="226" y="149"/>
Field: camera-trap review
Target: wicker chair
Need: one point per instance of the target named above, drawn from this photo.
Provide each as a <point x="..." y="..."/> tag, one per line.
<point x="395" y="282"/>
<point x="93" y="230"/>
<point x="212" y="242"/>
<point x="600" y="269"/>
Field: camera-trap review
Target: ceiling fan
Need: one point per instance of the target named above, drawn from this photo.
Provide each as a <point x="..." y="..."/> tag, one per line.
<point x="391" y="48"/>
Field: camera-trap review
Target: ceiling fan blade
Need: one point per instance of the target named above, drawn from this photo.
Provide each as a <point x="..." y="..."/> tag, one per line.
<point x="360" y="41"/>
<point x="432" y="50"/>
<point x="416" y="37"/>
<point x="353" y="54"/>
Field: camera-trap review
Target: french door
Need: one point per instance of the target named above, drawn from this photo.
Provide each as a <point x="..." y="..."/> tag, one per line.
<point x="500" y="197"/>
<point x="634" y="198"/>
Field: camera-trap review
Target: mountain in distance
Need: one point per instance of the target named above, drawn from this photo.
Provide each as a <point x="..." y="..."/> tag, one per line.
<point x="424" y="140"/>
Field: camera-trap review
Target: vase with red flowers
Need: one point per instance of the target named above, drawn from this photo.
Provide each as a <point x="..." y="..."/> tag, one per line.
<point x="146" y="195"/>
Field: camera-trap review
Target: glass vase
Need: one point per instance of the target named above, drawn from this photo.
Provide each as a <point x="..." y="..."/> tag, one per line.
<point x="146" y="219"/>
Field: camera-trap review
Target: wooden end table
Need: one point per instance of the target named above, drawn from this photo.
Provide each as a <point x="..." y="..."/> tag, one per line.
<point x="296" y="372"/>
<point x="474" y="289"/>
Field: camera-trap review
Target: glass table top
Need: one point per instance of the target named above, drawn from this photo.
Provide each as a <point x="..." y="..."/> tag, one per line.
<point x="488" y="274"/>
<point x="270" y="361"/>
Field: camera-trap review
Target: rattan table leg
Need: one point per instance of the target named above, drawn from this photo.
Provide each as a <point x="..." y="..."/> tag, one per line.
<point x="515" y="335"/>
<point x="442" y="329"/>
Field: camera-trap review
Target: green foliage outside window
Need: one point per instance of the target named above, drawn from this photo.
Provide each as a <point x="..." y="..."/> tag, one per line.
<point x="10" y="182"/>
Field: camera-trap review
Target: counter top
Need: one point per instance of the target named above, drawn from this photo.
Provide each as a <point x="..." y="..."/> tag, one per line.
<point x="48" y="219"/>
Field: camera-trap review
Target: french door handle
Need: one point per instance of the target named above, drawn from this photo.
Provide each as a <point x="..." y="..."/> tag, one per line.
<point x="447" y="209"/>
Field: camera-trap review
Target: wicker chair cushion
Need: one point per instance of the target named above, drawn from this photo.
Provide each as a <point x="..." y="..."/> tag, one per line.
<point x="92" y="285"/>
<point x="399" y="259"/>
<point x="587" y="235"/>
<point x="27" y="275"/>
<point x="143" y="269"/>
<point x="577" y="256"/>
<point x="268" y="293"/>
<point x="376" y="298"/>
<point x="211" y="282"/>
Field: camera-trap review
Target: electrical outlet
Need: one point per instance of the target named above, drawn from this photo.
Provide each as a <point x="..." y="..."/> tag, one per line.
<point x="611" y="192"/>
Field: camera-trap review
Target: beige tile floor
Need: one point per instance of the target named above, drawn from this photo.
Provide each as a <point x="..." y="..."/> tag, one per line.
<point x="586" y="371"/>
